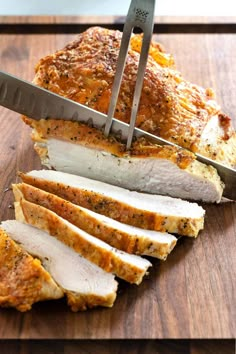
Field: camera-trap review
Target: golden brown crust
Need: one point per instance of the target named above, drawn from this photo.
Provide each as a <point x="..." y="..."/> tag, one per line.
<point x="114" y="209"/>
<point x="48" y="221"/>
<point x="23" y="280"/>
<point x="169" y="107"/>
<point x="90" y="224"/>
<point x="79" y="133"/>
<point x="79" y="302"/>
<point x="156" y="51"/>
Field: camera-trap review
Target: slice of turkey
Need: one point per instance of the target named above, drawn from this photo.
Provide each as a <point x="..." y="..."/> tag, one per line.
<point x="122" y="236"/>
<point x="85" y="284"/>
<point x="153" y="212"/>
<point x="76" y="148"/>
<point x="129" y="267"/>
<point x="23" y="280"/>
<point x="150" y="175"/>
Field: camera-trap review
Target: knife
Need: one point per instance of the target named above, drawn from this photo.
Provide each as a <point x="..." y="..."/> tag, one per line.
<point x="26" y="98"/>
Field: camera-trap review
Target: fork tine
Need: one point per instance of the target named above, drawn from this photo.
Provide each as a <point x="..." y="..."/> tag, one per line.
<point x="127" y="31"/>
<point x="139" y="84"/>
<point x="118" y="77"/>
<point x="140" y="14"/>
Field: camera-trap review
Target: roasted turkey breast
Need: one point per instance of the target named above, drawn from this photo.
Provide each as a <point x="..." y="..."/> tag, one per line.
<point x="84" y="284"/>
<point x="122" y="236"/>
<point x="153" y="212"/>
<point x="170" y="106"/>
<point x="129" y="267"/>
<point x="146" y="167"/>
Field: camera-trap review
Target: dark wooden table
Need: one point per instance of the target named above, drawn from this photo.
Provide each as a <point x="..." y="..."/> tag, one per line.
<point x="187" y="300"/>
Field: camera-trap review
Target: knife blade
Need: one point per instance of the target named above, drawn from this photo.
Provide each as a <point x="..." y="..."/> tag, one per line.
<point x="35" y="102"/>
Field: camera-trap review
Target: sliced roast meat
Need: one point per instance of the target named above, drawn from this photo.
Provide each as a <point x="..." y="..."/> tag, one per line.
<point x="153" y="212"/>
<point x="81" y="150"/>
<point x="129" y="267"/>
<point x="122" y="236"/>
<point x="85" y="284"/>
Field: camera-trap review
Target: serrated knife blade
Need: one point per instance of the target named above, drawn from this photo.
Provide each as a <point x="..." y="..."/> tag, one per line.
<point x="35" y="102"/>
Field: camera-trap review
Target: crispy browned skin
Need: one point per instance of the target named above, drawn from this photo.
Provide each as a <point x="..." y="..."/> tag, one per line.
<point x="79" y="302"/>
<point x="23" y="280"/>
<point x="169" y="107"/>
<point x="82" y="134"/>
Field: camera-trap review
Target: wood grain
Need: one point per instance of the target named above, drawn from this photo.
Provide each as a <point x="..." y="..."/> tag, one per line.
<point x="117" y="347"/>
<point x="74" y="24"/>
<point x="192" y="294"/>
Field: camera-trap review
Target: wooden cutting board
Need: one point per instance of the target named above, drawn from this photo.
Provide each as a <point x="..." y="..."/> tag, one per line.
<point x="192" y="294"/>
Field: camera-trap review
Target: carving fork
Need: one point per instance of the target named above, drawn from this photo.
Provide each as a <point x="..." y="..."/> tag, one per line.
<point x="141" y="15"/>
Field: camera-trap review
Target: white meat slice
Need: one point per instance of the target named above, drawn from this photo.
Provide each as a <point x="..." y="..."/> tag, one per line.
<point x="148" y="174"/>
<point x="122" y="236"/>
<point x="85" y="284"/>
<point x="153" y="212"/>
<point x="129" y="267"/>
